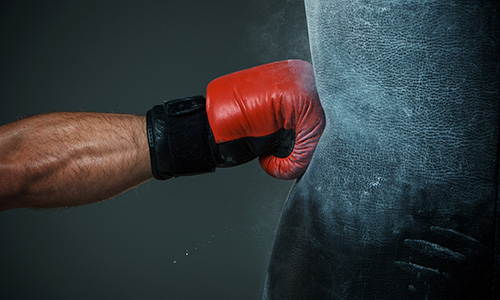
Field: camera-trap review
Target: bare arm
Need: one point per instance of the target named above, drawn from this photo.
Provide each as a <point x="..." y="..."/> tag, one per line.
<point x="66" y="159"/>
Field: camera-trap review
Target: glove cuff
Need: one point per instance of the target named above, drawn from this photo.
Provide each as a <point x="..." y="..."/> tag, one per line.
<point x="180" y="139"/>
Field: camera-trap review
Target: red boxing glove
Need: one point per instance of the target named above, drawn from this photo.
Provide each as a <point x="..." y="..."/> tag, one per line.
<point x="270" y="111"/>
<point x="278" y="98"/>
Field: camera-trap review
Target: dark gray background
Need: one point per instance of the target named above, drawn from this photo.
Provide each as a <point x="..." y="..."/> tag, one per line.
<point x="125" y="57"/>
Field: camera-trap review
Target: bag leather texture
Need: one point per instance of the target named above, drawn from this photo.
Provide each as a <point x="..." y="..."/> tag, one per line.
<point x="400" y="199"/>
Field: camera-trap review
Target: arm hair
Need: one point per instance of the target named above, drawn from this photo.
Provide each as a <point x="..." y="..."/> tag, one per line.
<point x="67" y="159"/>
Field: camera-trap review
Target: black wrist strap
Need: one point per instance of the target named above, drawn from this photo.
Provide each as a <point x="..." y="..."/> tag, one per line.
<point x="180" y="139"/>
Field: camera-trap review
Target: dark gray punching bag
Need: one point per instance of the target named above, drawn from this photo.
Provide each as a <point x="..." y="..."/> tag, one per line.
<point x="400" y="199"/>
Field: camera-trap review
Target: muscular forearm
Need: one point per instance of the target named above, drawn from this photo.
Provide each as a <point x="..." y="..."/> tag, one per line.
<point x="65" y="159"/>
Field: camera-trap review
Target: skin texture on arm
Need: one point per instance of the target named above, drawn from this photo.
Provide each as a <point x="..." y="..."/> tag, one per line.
<point x="68" y="159"/>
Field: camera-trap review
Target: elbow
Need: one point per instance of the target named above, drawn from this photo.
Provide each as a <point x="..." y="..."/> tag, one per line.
<point x="11" y="188"/>
<point x="13" y="179"/>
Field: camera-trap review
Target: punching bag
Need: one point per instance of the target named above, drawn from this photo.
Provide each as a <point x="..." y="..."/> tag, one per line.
<point x="400" y="199"/>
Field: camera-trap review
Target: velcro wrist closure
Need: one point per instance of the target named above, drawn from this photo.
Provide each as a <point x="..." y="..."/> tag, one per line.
<point x="180" y="139"/>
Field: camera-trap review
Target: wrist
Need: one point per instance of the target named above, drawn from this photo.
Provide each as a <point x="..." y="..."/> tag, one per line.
<point x="180" y="139"/>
